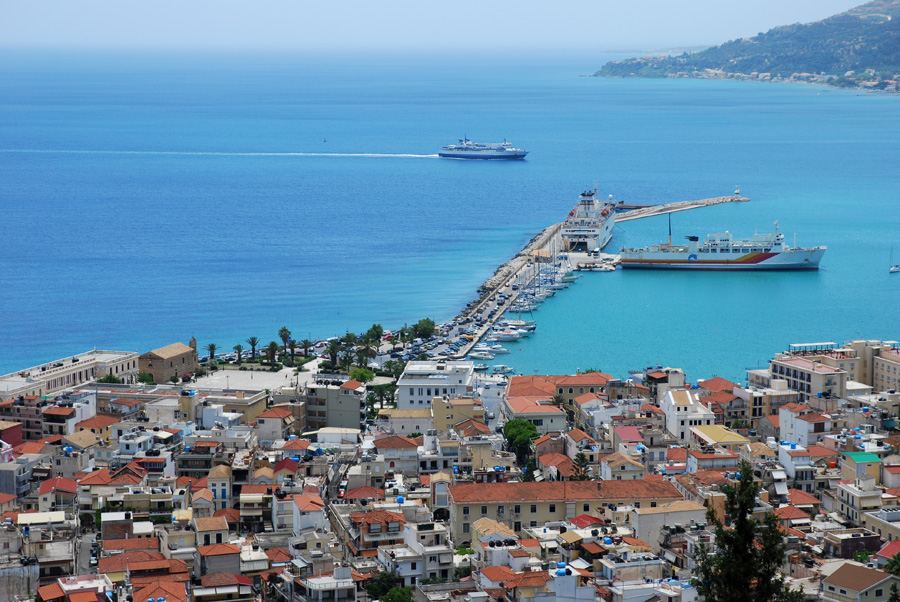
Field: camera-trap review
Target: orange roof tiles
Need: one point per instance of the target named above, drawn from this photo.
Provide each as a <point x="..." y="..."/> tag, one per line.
<point x="376" y="517"/>
<point x="59" y="484"/>
<point x="366" y="493"/>
<point x="531" y="405"/>
<point x="51" y="592"/>
<point x="128" y="545"/>
<point x="395" y="442"/>
<point x="351" y="384"/>
<point x="498" y="574"/>
<point x="219" y="549"/>
<point x="717" y="384"/>
<point x="297" y="444"/>
<point x="276" y="412"/>
<point x="172" y="592"/>
<point x="308" y="502"/>
<point x="563" y="464"/>
<point x="278" y="555"/>
<point x="232" y="515"/>
<point x="100" y="421"/>
<point x="58" y="411"/>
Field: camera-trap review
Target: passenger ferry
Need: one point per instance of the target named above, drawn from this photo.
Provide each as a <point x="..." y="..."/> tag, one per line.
<point x="722" y="252"/>
<point x="466" y="149"/>
<point x="589" y="225"/>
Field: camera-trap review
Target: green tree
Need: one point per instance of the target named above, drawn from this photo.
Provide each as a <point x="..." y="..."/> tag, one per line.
<point x="254" y="343"/>
<point x="581" y="468"/>
<point x="424" y="328"/>
<point x="398" y="594"/>
<point x="285" y="335"/>
<point x="375" y="332"/>
<point x="363" y="375"/>
<point x="272" y="351"/>
<point x="292" y="345"/>
<point x="212" y="350"/>
<point x="895" y="594"/>
<point x="893" y="565"/>
<point x="334" y="349"/>
<point x="747" y="551"/>
<point x="239" y="350"/>
<point x="519" y="435"/>
<point x="530" y="468"/>
<point x="110" y="378"/>
<point x="306" y="345"/>
<point x="381" y="584"/>
<point x="145" y="378"/>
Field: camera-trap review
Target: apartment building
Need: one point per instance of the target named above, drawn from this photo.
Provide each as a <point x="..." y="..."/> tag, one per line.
<point x="332" y="400"/>
<point x="683" y="411"/>
<point x="422" y="381"/>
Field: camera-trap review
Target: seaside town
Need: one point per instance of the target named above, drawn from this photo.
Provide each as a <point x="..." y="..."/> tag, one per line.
<point x="174" y="477"/>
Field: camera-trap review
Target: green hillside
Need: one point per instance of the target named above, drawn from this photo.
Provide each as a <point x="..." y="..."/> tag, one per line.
<point x="861" y="39"/>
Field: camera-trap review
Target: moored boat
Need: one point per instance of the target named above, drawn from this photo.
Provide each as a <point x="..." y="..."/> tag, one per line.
<point x="723" y="252"/>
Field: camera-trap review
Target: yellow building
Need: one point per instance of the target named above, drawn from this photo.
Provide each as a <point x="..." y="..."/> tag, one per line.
<point x="446" y="413"/>
<point x="857" y="464"/>
<point x="530" y="504"/>
<point x="99" y="425"/>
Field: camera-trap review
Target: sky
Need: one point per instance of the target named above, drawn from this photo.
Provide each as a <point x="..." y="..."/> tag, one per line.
<point x="354" y="25"/>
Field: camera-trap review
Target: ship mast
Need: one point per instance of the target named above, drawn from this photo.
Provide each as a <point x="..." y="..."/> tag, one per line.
<point x="670" y="229"/>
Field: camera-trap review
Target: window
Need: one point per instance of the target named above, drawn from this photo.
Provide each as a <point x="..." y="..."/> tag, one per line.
<point x="533" y="523"/>
<point x="465" y="527"/>
<point x="552" y="508"/>
<point x="534" y="508"/>
<point x="412" y="566"/>
<point x="432" y="559"/>
<point x="517" y="509"/>
<point x="375" y="528"/>
<point x="586" y="508"/>
<point x="879" y="593"/>
<point x="465" y="511"/>
<point x="484" y="511"/>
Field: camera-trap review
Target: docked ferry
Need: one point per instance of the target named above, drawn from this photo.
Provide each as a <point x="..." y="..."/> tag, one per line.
<point x="466" y="149"/>
<point x="722" y="252"/>
<point x="589" y="225"/>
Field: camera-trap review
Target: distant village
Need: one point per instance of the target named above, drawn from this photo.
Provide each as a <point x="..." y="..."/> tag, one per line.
<point x="865" y="80"/>
<point x="301" y="486"/>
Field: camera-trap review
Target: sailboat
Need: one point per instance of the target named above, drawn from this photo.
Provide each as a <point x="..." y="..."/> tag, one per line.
<point x="895" y="267"/>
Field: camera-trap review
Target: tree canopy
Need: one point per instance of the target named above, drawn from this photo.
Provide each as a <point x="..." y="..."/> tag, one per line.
<point x="519" y="435"/>
<point x="424" y="328"/>
<point x="746" y="551"/>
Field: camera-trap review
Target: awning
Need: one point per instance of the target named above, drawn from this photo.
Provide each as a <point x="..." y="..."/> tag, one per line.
<point x="781" y="488"/>
<point x="251" y="499"/>
<point x="251" y="512"/>
<point x="889" y="423"/>
<point x="779" y="475"/>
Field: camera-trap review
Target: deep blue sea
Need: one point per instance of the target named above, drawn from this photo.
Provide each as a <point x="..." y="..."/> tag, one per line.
<point x="150" y="198"/>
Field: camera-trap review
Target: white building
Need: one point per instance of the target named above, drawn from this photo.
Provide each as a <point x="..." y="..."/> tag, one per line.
<point x="424" y="554"/>
<point x="798" y="466"/>
<point x="683" y="410"/>
<point x="52" y="377"/>
<point x="423" y="381"/>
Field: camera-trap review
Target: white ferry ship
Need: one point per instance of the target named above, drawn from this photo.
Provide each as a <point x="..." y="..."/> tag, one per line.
<point x="466" y="149"/>
<point x="722" y="252"/>
<point x="590" y="224"/>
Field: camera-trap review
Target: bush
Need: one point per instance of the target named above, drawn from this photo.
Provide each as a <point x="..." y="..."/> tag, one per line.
<point x="145" y="378"/>
<point x="213" y="365"/>
<point x="186" y="377"/>
<point x="200" y="372"/>
<point x="111" y="379"/>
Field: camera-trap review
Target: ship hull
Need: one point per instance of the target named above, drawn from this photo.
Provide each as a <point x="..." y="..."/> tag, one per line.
<point x="483" y="156"/>
<point x="794" y="259"/>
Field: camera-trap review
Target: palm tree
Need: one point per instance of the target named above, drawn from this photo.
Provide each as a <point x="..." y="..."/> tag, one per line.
<point x="306" y="344"/>
<point x="334" y="348"/>
<point x="285" y="335"/>
<point x="893" y="565"/>
<point x="253" y="342"/>
<point x="272" y="351"/>
<point x="292" y="345"/>
<point x="239" y="349"/>
<point x="212" y="351"/>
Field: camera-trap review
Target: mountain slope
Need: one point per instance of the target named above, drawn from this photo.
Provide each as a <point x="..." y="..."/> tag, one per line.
<point x="866" y="37"/>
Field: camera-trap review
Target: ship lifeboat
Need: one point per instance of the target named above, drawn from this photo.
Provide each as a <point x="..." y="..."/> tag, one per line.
<point x="605" y="212"/>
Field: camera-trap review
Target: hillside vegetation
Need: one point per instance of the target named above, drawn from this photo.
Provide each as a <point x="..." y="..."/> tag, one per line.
<point x="864" y="40"/>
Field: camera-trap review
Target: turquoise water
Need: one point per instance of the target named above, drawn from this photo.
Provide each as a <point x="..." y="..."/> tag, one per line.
<point x="153" y="198"/>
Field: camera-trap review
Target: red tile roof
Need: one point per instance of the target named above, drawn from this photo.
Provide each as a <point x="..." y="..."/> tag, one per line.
<point x="563" y="464"/>
<point x="232" y="515"/>
<point x="366" y="493"/>
<point x="498" y="574"/>
<point x="172" y="592"/>
<point x="297" y="444"/>
<point x="128" y="545"/>
<point x="278" y="555"/>
<point x="716" y="384"/>
<point x="309" y="502"/>
<point x="276" y="412"/>
<point x="395" y="442"/>
<point x="583" y="521"/>
<point x="801" y="498"/>
<point x="225" y="579"/>
<point x="58" y="411"/>
<point x="219" y="549"/>
<point x="376" y="517"/>
<point x="119" y="562"/>
<point x="629" y="433"/>
<point x="100" y="421"/>
<point x="59" y="484"/>
<point x="351" y="384"/>
<point x="563" y="490"/>
<point x="790" y="513"/>
<point x="51" y="592"/>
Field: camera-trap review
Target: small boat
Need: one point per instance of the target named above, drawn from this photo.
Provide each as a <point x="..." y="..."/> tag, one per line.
<point x="895" y="267"/>
<point x="498" y="350"/>
<point x="481" y="355"/>
<point x="507" y="336"/>
<point x="503" y="369"/>
<point x="481" y="367"/>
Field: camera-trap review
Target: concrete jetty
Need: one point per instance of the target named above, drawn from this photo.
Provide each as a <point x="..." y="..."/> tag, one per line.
<point x="679" y="206"/>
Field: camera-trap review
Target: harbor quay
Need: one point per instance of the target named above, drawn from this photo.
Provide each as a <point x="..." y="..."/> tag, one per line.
<point x="454" y="479"/>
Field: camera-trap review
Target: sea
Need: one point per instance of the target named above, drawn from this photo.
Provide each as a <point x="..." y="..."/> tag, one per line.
<point x="147" y="198"/>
